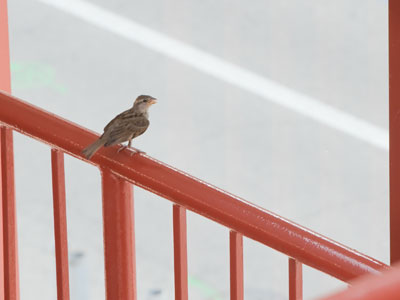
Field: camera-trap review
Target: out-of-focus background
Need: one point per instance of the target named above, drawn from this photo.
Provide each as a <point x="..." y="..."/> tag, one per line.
<point x="290" y="163"/>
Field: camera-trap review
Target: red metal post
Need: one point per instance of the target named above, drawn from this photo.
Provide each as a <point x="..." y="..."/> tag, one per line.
<point x="1" y="231"/>
<point x="11" y="278"/>
<point x="180" y="253"/>
<point x="5" y="85"/>
<point x="295" y="280"/>
<point x="394" y="127"/>
<point x="119" y="239"/>
<point x="236" y="265"/>
<point x="60" y="224"/>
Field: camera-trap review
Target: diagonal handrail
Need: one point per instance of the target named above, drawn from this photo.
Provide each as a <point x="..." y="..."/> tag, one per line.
<point x="252" y="221"/>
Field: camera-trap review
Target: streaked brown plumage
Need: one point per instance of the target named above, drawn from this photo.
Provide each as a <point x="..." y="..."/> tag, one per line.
<point x="124" y="127"/>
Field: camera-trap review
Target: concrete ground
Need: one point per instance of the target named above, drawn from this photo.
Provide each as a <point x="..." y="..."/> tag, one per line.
<point x="295" y="164"/>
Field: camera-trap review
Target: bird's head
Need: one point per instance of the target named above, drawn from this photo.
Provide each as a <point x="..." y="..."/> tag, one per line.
<point x="143" y="102"/>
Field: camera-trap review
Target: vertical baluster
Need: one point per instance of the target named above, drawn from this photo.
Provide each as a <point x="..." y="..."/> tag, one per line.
<point x="1" y="228"/>
<point x="60" y="224"/>
<point x="119" y="238"/>
<point x="394" y="128"/>
<point x="295" y="280"/>
<point x="236" y="265"/>
<point x="11" y="276"/>
<point x="9" y="281"/>
<point x="180" y="253"/>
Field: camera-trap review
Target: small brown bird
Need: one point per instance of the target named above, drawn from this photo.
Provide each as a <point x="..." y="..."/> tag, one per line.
<point x="124" y="127"/>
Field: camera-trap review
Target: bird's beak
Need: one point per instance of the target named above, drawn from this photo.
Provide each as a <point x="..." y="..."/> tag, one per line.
<point x="153" y="101"/>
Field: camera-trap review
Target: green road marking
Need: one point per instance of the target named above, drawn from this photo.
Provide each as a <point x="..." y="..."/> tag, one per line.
<point x="33" y="75"/>
<point x="204" y="288"/>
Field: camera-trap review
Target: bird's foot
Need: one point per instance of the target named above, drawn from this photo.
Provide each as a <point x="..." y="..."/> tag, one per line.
<point x="137" y="151"/>
<point x="131" y="153"/>
<point x="121" y="148"/>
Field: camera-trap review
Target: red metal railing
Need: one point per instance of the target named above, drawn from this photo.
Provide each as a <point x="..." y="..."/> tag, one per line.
<point x="119" y="171"/>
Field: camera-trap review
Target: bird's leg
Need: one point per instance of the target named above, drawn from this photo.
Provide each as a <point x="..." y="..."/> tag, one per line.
<point x="129" y="146"/>
<point x="125" y="146"/>
<point x="137" y="151"/>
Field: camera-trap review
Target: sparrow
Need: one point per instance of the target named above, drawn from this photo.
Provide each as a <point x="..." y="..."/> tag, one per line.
<point x="124" y="127"/>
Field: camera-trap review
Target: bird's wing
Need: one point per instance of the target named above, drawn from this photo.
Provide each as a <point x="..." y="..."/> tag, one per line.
<point x="122" y="115"/>
<point x="139" y="123"/>
<point x="126" y="127"/>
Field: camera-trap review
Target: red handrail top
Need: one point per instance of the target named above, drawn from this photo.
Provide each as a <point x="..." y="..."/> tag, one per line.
<point x="254" y="222"/>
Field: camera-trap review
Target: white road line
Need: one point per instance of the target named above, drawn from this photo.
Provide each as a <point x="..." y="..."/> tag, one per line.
<point x="225" y="71"/>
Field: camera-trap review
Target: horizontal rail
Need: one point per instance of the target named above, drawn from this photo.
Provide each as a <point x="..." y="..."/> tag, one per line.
<point x="241" y="216"/>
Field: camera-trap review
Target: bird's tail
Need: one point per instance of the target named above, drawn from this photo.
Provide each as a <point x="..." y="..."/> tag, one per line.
<point x="90" y="150"/>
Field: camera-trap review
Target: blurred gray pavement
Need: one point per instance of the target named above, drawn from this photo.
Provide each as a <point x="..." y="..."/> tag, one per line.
<point x="321" y="178"/>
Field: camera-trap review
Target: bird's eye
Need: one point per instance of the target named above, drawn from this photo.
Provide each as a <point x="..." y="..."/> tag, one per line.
<point x="145" y="100"/>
